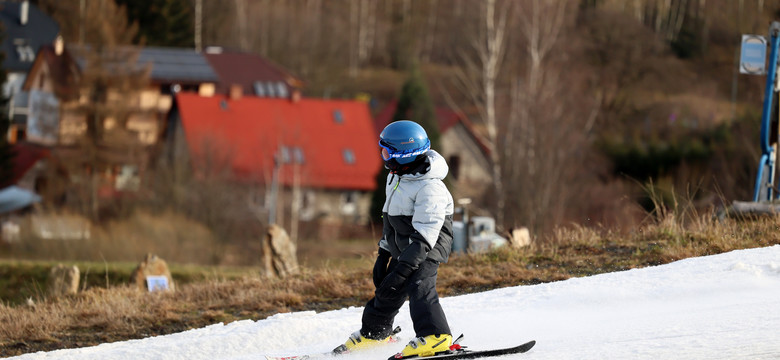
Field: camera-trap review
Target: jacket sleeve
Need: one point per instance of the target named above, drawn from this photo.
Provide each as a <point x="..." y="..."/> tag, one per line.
<point x="430" y="210"/>
<point x="383" y="244"/>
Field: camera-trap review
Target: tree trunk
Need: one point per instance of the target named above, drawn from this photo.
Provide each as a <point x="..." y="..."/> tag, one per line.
<point x="492" y="57"/>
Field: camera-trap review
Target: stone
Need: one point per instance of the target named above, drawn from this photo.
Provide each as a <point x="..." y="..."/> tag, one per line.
<point x="152" y="265"/>
<point x="63" y="280"/>
<point x="520" y="237"/>
<point x="279" y="253"/>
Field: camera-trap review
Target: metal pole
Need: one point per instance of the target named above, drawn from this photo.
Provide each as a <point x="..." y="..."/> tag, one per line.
<point x="767" y="159"/>
<point x="274" y="191"/>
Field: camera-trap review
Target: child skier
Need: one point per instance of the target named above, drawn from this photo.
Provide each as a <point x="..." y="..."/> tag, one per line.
<point x="416" y="237"/>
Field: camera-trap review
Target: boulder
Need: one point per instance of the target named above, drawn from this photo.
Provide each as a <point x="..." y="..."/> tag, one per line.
<point x="520" y="237"/>
<point x="151" y="268"/>
<point x="279" y="253"/>
<point x="63" y="280"/>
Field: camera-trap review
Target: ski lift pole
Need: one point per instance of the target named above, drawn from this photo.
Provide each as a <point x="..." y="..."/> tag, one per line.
<point x="767" y="161"/>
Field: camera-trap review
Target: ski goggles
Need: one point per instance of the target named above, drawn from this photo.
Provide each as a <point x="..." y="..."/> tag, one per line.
<point x="389" y="152"/>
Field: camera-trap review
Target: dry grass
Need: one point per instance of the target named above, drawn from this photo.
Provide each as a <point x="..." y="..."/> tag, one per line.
<point x="99" y="315"/>
<point x="167" y="234"/>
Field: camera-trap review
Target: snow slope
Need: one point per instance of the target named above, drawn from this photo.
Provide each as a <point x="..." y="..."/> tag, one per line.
<point x="716" y="307"/>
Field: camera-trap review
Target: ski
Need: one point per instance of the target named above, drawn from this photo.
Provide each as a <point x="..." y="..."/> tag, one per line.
<point x="460" y="352"/>
<point x="341" y="349"/>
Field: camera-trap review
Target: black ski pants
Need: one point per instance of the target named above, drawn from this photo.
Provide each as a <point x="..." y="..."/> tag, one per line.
<point x="424" y="307"/>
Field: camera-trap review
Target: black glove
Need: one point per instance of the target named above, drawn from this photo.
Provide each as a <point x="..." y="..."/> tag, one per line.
<point x="394" y="282"/>
<point x="380" y="266"/>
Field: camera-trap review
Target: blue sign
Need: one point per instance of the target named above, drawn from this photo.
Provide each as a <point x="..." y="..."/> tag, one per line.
<point x="752" y="59"/>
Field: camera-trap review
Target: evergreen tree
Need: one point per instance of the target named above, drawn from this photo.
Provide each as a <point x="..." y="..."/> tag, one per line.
<point x="6" y="150"/>
<point x="162" y="22"/>
<point x="414" y="104"/>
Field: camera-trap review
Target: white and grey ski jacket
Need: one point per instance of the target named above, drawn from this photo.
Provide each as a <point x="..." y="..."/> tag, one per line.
<point x="417" y="215"/>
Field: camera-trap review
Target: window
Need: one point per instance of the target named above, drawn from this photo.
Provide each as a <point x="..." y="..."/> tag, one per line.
<point x="281" y="89"/>
<point x="298" y="155"/>
<point x="349" y="156"/>
<point x="348" y="203"/>
<point x="284" y="155"/>
<point x="338" y="117"/>
<point x="259" y="88"/>
<point x="24" y="50"/>
<point x="271" y="92"/>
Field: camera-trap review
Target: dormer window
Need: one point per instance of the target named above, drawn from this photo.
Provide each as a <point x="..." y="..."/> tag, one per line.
<point x="338" y="117"/>
<point x="281" y="89"/>
<point x="270" y="90"/>
<point x="349" y="156"/>
<point x="24" y="50"/>
<point x="284" y="155"/>
<point x="298" y="155"/>
<point x="259" y="88"/>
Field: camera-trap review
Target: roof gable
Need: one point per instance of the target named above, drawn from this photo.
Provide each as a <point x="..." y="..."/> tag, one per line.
<point x="60" y="68"/>
<point x="22" y="41"/>
<point x="325" y="143"/>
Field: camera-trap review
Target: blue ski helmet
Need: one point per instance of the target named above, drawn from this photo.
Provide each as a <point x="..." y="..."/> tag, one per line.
<point x="403" y="141"/>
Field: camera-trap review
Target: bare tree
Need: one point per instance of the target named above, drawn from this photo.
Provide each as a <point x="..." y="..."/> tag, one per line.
<point x="110" y="81"/>
<point x="241" y="16"/>
<point x="481" y="61"/>
<point x="545" y="134"/>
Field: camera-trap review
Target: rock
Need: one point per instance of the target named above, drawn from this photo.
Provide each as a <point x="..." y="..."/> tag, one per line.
<point x="279" y="253"/>
<point x="520" y="237"/>
<point x="151" y="266"/>
<point x="63" y="280"/>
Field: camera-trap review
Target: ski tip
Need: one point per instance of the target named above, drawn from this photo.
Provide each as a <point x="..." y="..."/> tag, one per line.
<point x="527" y="346"/>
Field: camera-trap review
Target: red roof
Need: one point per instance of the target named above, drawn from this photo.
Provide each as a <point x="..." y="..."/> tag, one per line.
<point x="328" y="143"/>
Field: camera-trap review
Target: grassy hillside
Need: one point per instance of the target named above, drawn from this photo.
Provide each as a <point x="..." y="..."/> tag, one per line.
<point x="209" y="295"/>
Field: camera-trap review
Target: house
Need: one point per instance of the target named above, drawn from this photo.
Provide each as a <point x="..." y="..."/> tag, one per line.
<point x="467" y="154"/>
<point x="25" y="30"/>
<point x="56" y="100"/>
<point x="54" y="74"/>
<point x="324" y="148"/>
<point x="253" y="73"/>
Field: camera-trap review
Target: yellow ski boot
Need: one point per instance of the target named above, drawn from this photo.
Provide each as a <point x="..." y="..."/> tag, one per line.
<point x="357" y="341"/>
<point x="427" y="346"/>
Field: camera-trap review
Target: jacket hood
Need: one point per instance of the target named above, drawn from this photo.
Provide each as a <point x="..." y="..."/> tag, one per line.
<point x="438" y="168"/>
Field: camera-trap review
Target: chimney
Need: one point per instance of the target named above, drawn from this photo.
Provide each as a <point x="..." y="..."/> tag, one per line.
<point x="24" y="12"/>
<point x="59" y="45"/>
<point x="236" y="91"/>
<point x="295" y="96"/>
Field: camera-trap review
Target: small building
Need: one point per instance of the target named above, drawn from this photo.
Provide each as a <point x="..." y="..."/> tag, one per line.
<point x="56" y="101"/>
<point x="53" y="80"/>
<point x="25" y="30"/>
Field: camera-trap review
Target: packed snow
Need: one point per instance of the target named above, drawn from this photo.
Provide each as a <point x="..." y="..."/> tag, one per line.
<point x="724" y="306"/>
